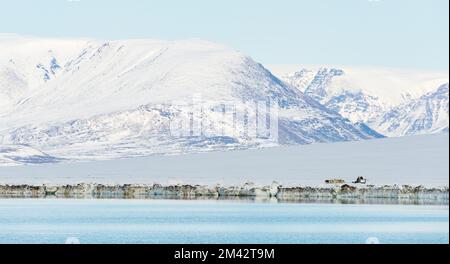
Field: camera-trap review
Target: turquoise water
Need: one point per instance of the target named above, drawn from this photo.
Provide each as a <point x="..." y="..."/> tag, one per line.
<point x="152" y="221"/>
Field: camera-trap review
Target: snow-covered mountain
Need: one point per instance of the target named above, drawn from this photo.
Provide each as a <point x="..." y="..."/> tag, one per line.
<point x="392" y="102"/>
<point x="428" y="113"/>
<point x="87" y="99"/>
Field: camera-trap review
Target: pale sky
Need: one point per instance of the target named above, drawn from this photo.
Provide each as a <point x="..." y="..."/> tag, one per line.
<point x="388" y="33"/>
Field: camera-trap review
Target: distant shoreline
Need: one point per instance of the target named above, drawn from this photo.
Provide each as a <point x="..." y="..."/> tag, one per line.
<point x="345" y="193"/>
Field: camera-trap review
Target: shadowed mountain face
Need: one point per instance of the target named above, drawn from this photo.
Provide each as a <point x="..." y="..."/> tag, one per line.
<point x="392" y="102"/>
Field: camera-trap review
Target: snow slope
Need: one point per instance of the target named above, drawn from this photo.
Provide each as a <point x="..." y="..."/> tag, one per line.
<point x="25" y="65"/>
<point x="14" y="155"/>
<point x="87" y="99"/>
<point x="412" y="160"/>
<point x="391" y="101"/>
